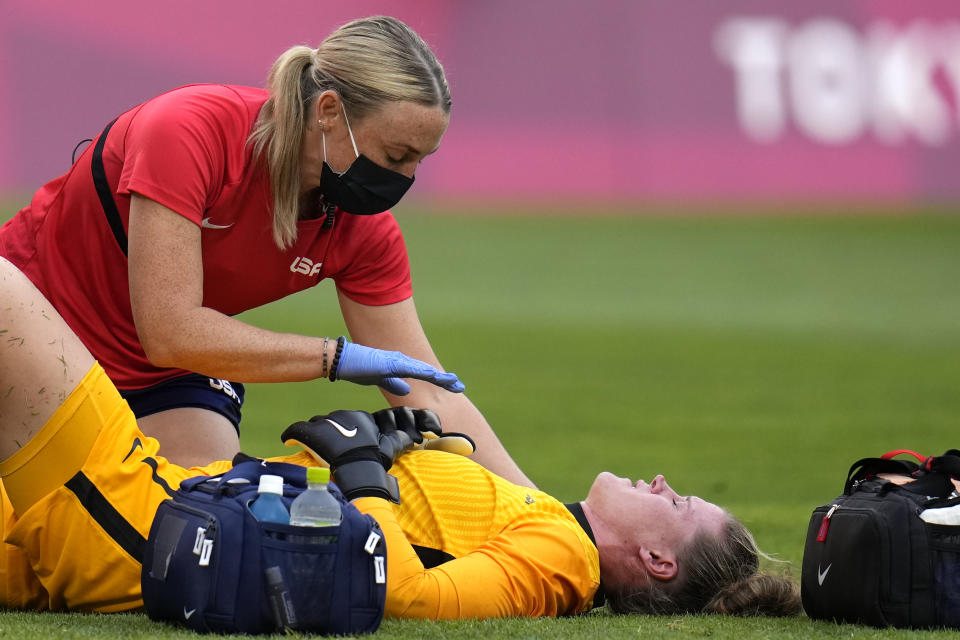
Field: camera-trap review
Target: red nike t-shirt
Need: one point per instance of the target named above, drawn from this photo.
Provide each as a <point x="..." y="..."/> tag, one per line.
<point x="187" y="149"/>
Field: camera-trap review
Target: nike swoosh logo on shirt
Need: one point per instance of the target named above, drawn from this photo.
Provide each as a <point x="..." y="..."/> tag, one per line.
<point x="349" y="433"/>
<point x="206" y="224"/>
<point x="136" y="443"/>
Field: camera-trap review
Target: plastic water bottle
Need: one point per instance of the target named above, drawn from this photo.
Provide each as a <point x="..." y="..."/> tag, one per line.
<point x="268" y="507"/>
<point x="316" y="507"/>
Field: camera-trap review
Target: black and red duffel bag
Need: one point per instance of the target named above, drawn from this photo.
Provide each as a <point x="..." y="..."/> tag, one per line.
<point x="888" y="554"/>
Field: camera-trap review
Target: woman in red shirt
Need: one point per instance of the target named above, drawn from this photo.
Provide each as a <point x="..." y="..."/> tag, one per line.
<point x="211" y="199"/>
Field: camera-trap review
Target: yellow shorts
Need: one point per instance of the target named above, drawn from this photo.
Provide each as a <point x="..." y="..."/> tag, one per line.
<point x="78" y="501"/>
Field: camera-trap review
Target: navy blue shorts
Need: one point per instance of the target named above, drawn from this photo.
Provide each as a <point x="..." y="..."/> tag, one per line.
<point x="192" y="390"/>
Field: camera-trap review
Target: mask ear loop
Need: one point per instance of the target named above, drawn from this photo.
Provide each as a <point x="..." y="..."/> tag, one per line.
<point x="328" y="223"/>
<point x="349" y="130"/>
<point x="328" y="210"/>
<point x="323" y="135"/>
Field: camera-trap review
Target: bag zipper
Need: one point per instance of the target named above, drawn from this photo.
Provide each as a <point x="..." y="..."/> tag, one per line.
<point x="206" y="535"/>
<point x="825" y="524"/>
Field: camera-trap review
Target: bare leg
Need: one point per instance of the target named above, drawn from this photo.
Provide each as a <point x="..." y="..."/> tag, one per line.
<point x="41" y="360"/>
<point x="191" y="436"/>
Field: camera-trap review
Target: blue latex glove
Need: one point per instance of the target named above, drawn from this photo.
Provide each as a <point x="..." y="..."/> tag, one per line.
<point x="365" y="365"/>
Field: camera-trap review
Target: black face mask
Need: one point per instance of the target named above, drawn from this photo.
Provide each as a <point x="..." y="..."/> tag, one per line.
<point x="364" y="188"/>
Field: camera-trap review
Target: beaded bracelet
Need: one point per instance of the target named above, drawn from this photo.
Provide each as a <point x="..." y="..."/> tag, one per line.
<point x="323" y="373"/>
<point x="336" y="358"/>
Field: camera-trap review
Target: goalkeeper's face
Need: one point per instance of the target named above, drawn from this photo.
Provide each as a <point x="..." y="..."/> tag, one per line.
<point x="651" y="519"/>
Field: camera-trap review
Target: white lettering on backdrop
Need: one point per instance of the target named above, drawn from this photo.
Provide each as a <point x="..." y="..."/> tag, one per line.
<point x="836" y="84"/>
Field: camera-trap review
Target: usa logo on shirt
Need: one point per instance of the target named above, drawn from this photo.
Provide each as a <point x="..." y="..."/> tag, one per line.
<point x="306" y="266"/>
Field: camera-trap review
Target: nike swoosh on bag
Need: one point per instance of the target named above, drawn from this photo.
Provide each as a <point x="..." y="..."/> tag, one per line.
<point x="187" y="614"/>
<point x="822" y="575"/>
<point x="206" y="224"/>
<point x="346" y="432"/>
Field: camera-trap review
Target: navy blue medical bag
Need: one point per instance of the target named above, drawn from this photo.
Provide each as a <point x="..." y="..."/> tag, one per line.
<point x="210" y="565"/>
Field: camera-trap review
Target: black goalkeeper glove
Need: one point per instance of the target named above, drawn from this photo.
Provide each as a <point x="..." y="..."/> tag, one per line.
<point x="357" y="452"/>
<point x="416" y="423"/>
<point x="423" y="427"/>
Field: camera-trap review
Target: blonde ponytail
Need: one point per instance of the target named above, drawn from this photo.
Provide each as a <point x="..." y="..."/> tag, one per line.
<point x="368" y="62"/>
<point x="278" y="139"/>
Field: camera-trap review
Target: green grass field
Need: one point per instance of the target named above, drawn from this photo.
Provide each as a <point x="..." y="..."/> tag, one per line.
<point x="749" y="359"/>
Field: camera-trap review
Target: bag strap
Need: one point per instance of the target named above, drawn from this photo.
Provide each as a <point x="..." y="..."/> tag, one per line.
<point x="103" y="190"/>
<point x="932" y="473"/>
<point x="869" y="467"/>
<point x="250" y="471"/>
<point x="896" y="452"/>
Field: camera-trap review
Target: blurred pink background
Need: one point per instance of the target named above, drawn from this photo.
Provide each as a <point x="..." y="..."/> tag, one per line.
<point x="686" y="103"/>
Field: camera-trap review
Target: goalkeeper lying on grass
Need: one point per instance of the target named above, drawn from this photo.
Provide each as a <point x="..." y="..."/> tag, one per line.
<point x="81" y="485"/>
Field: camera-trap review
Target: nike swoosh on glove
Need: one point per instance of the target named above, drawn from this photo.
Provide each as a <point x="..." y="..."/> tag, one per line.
<point x="358" y="454"/>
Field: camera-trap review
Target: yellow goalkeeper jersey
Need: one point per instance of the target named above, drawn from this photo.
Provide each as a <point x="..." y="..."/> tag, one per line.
<point x="503" y="550"/>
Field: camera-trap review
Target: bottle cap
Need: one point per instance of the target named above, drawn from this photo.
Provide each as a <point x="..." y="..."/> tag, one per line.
<point x="271" y="484"/>
<point x="318" y="474"/>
